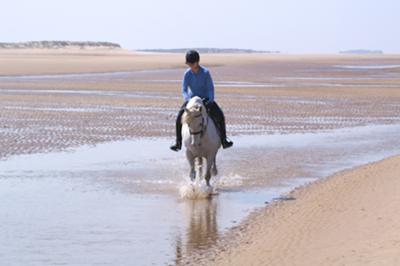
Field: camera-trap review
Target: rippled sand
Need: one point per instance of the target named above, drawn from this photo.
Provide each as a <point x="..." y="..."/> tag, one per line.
<point x="259" y="94"/>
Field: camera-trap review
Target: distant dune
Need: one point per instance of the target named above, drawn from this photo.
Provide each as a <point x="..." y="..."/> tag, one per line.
<point x="207" y="50"/>
<point x="361" y="51"/>
<point x="59" y="45"/>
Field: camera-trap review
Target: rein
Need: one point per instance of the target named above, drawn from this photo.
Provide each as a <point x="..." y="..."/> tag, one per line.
<point x="203" y="128"/>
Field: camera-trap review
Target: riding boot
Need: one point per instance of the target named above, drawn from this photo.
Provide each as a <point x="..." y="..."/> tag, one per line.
<point x="178" y="126"/>
<point x="219" y="120"/>
<point x="224" y="141"/>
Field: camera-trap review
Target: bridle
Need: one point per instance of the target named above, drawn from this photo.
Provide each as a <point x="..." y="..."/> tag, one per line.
<point x="202" y="124"/>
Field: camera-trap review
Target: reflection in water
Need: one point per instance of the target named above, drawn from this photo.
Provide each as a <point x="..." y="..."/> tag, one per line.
<point x="202" y="228"/>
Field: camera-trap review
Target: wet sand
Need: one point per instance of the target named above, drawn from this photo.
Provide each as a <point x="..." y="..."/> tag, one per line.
<point x="350" y="218"/>
<point x="95" y="128"/>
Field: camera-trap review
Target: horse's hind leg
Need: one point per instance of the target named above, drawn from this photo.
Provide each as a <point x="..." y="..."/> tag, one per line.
<point x="214" y="170"/>
<point x="210" y="162"/>
<point x="200" y="167"/>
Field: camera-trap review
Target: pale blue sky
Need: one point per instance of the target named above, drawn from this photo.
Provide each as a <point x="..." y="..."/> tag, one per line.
<point x="294" y="26"/>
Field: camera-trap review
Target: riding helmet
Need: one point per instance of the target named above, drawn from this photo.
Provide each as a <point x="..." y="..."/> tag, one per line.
<point x="192" y="56"/>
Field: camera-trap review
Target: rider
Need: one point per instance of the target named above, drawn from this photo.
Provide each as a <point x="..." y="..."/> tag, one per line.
<point x="197" y="81"/>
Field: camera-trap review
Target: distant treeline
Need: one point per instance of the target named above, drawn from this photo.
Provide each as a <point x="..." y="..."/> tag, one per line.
<point x="206" y="50"/>
<point x="361" y="51"/>
<point x="56" y="45"/>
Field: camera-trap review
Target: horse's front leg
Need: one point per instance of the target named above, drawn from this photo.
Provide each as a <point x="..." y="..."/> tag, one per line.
<point x="190" y="158"/>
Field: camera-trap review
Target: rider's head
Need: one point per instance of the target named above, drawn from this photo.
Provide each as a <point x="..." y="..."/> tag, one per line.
<point x="193" y="59"/>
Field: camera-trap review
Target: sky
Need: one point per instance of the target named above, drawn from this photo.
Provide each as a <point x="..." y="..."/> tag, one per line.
<point x="289" y="26"/>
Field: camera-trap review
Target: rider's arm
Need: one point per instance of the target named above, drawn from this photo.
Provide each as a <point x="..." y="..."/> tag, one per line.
<point x="185" y="86"/>
<point x="210" y="87"/>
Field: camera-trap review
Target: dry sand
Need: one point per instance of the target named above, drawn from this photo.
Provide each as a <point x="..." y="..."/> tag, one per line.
<point x="351" y="218"/>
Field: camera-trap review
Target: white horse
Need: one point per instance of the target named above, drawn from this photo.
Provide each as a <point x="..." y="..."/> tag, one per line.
<point x="200" y="137"/>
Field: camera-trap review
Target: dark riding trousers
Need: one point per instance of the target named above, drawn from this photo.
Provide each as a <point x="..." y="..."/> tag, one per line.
<point x="213" y="110"/>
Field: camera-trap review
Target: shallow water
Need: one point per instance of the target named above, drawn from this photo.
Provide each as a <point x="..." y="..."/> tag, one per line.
<point x="118" y="202"/>
<point x="368" y="66"/>
<point x="87" y="76"/>
<point x="118" y="94"/>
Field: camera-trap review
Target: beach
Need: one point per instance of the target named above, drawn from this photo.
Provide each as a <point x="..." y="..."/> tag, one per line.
<point x="350" y="218"/>
<point x="93" y="97"/>
<point x="87" y="176"/>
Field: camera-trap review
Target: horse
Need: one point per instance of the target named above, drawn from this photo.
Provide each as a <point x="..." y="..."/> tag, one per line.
<point x="201" y="139"/>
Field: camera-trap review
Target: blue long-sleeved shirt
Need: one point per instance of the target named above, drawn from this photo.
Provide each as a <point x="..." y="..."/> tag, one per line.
<point x="198" y="84"/>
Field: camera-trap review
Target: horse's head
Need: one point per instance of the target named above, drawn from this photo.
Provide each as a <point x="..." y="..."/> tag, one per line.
<point x="195" y="117"/>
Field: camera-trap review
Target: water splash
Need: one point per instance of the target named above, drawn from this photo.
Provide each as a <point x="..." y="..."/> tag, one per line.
<point x="195" y="190"/>
<point x="198" y="189"/>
